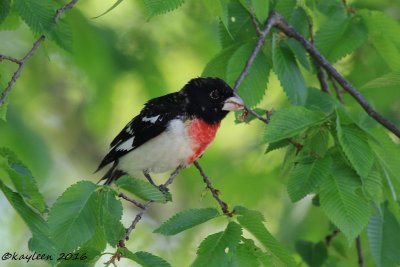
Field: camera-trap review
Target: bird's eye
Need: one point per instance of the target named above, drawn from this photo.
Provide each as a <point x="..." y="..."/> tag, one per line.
<point x="214" y="94"/>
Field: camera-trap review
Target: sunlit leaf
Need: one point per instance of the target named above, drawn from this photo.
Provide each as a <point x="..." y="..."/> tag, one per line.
<point x="212" y="250"/>
<point x="291" y="121"/>
<point x="252" y="222"/>
<point x="117" y="3"/>
<point x="185" y="220"/>
<point x="73" y="215"/>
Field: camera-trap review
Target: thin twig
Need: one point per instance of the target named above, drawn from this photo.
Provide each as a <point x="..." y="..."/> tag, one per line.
<point x="17" y="73"/>
<point x="360" y="255"/>
<point x="145" y="207"/>
<point x="5" y="57"/>
<point x="252" y="112"/>
<point x="61" y="10"/>
<point x="131" y="200"/>
<point x="255" y="22"/>
<point x="281" y="24"/>
<point x="261" y="39"/>
<point x="338" y="91"/>
<point x="214" y="192"/>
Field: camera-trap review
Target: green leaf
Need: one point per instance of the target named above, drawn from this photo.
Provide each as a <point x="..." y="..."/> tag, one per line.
<point x="314" y="254"/>
<point x="391" y="79"/>
<point x="4" y="9"/>
<point x="212" y="250"/>
<point x="38" y="15"/>
<point x="383" y="31"/>
<point x="289" y="122"/>
<point x="277" y="145"/>
<point x="61" y="34"/>
<point x="288" y="72"/>
<point x="217" y="67"/>
<point x="247" y="254"/>
<point x="285" y="8"/>
<point x="143" y="258"/>
<point x="252" y="221"/>
<point x="111" y="216"/>
<point x="185" y="220"/>
<point x="40" y="241"/>
<point x="337" y="38"/>
<point x="317" y="100"/>
<point x="317" y="142"/>
<point x="254" y="85"/>
<point x="141" y="189"/>
<point x="354" y="142"/>
<point x="383" y="236"/>
<point x="111" y="8"/>
<point x="261" y="9"/>
<point x="11" y="21"/>
<point x="339" y="200"/>
<point x="73" y="216"/>
<point x="23" y="180"/>
<point x="372" y="186"/>
<point x="157" y="7"/>
<point x="305" y="178"/>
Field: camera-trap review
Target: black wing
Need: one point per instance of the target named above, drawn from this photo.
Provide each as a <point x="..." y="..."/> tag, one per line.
<point x="152" y="121"/>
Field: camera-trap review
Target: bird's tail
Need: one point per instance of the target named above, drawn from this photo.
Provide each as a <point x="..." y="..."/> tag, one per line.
<point x="112" y="174"/>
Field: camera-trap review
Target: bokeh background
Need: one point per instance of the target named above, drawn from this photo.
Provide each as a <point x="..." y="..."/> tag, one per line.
<point x="66" y="108"/>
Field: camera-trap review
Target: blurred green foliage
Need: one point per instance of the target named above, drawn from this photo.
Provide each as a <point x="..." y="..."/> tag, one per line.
<point x="93" y="75"/>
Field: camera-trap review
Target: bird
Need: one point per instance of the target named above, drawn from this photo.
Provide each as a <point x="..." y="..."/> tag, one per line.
<point x="171" y="131"/>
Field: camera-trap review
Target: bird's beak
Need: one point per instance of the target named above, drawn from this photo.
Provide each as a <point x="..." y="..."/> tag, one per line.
<point x="233" y="103"/>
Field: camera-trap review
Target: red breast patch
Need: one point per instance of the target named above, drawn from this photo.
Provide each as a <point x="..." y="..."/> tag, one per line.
<point x="201" y="134"/>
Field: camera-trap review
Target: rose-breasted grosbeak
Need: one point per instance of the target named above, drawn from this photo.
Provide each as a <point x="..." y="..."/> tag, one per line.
<point x="172" y="130"/>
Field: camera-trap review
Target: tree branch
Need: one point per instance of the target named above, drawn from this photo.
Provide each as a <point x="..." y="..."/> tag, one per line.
<point x="214" y="192"/>
<point x="281" y="24"/>
<point x="28" y="55"/>
<point x="61" y="10"/>
<point x="21" y="64"/>
<point x="131" y="200"/>
<point x="360" y="255"/>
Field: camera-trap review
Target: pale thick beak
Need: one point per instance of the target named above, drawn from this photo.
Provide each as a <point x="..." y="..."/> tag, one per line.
<point x="233" y="103"/>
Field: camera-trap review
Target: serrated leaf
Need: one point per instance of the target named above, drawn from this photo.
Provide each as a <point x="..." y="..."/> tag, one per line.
<point x="143" y="258"/>
<point x="217" y="67"/>
<point x="317" y="100"/>
<point x="305" y="178"/>
<point x="185" y="220"/>
<point x="252" y="222"/>
<point x="288" y="72"/>
<point x="23" y="181"/>
<point x="37" y="225"/>
<point x="261" y="9"/>
<point x="157" y="7"/>
<point x="38" y="15"/>
<point x="338" y="37"/>
<point x="73" y="215"/>
<point x="277" y="145"/>
<point x="142" y="189"/>
<point x="117" y="3"/>
<point x="111" y="216"/>
<point x="391" y="79"/>
<point x="212" y="250"/>
<point x="344" y="207"/>
<point x="289" y="122"/>
<point x="314" y="254"/>
<point x="372" y="186"/>
<point x="383" y="235"/>
<point x="4" y="9"/>
<point x="285" y="8"/>
<point x="317" y="143"/>
<point x="61" y="34"/>
<point x="354" y="142"/>
<point x="254" y="85"/>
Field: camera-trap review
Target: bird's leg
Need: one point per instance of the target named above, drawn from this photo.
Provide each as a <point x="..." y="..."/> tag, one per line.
<point x="148" y="177"/>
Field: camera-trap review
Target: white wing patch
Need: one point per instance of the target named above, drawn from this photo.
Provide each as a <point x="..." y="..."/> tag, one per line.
<point x="127" y="145"/>
<point x="151" y="119"/>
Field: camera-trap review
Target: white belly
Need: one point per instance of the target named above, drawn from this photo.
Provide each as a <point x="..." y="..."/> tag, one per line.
<point x="163" y="153"/>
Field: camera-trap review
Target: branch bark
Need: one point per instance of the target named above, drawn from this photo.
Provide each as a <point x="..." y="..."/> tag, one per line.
<point x="360" y="255"/>
<point x="28" y="55"/>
